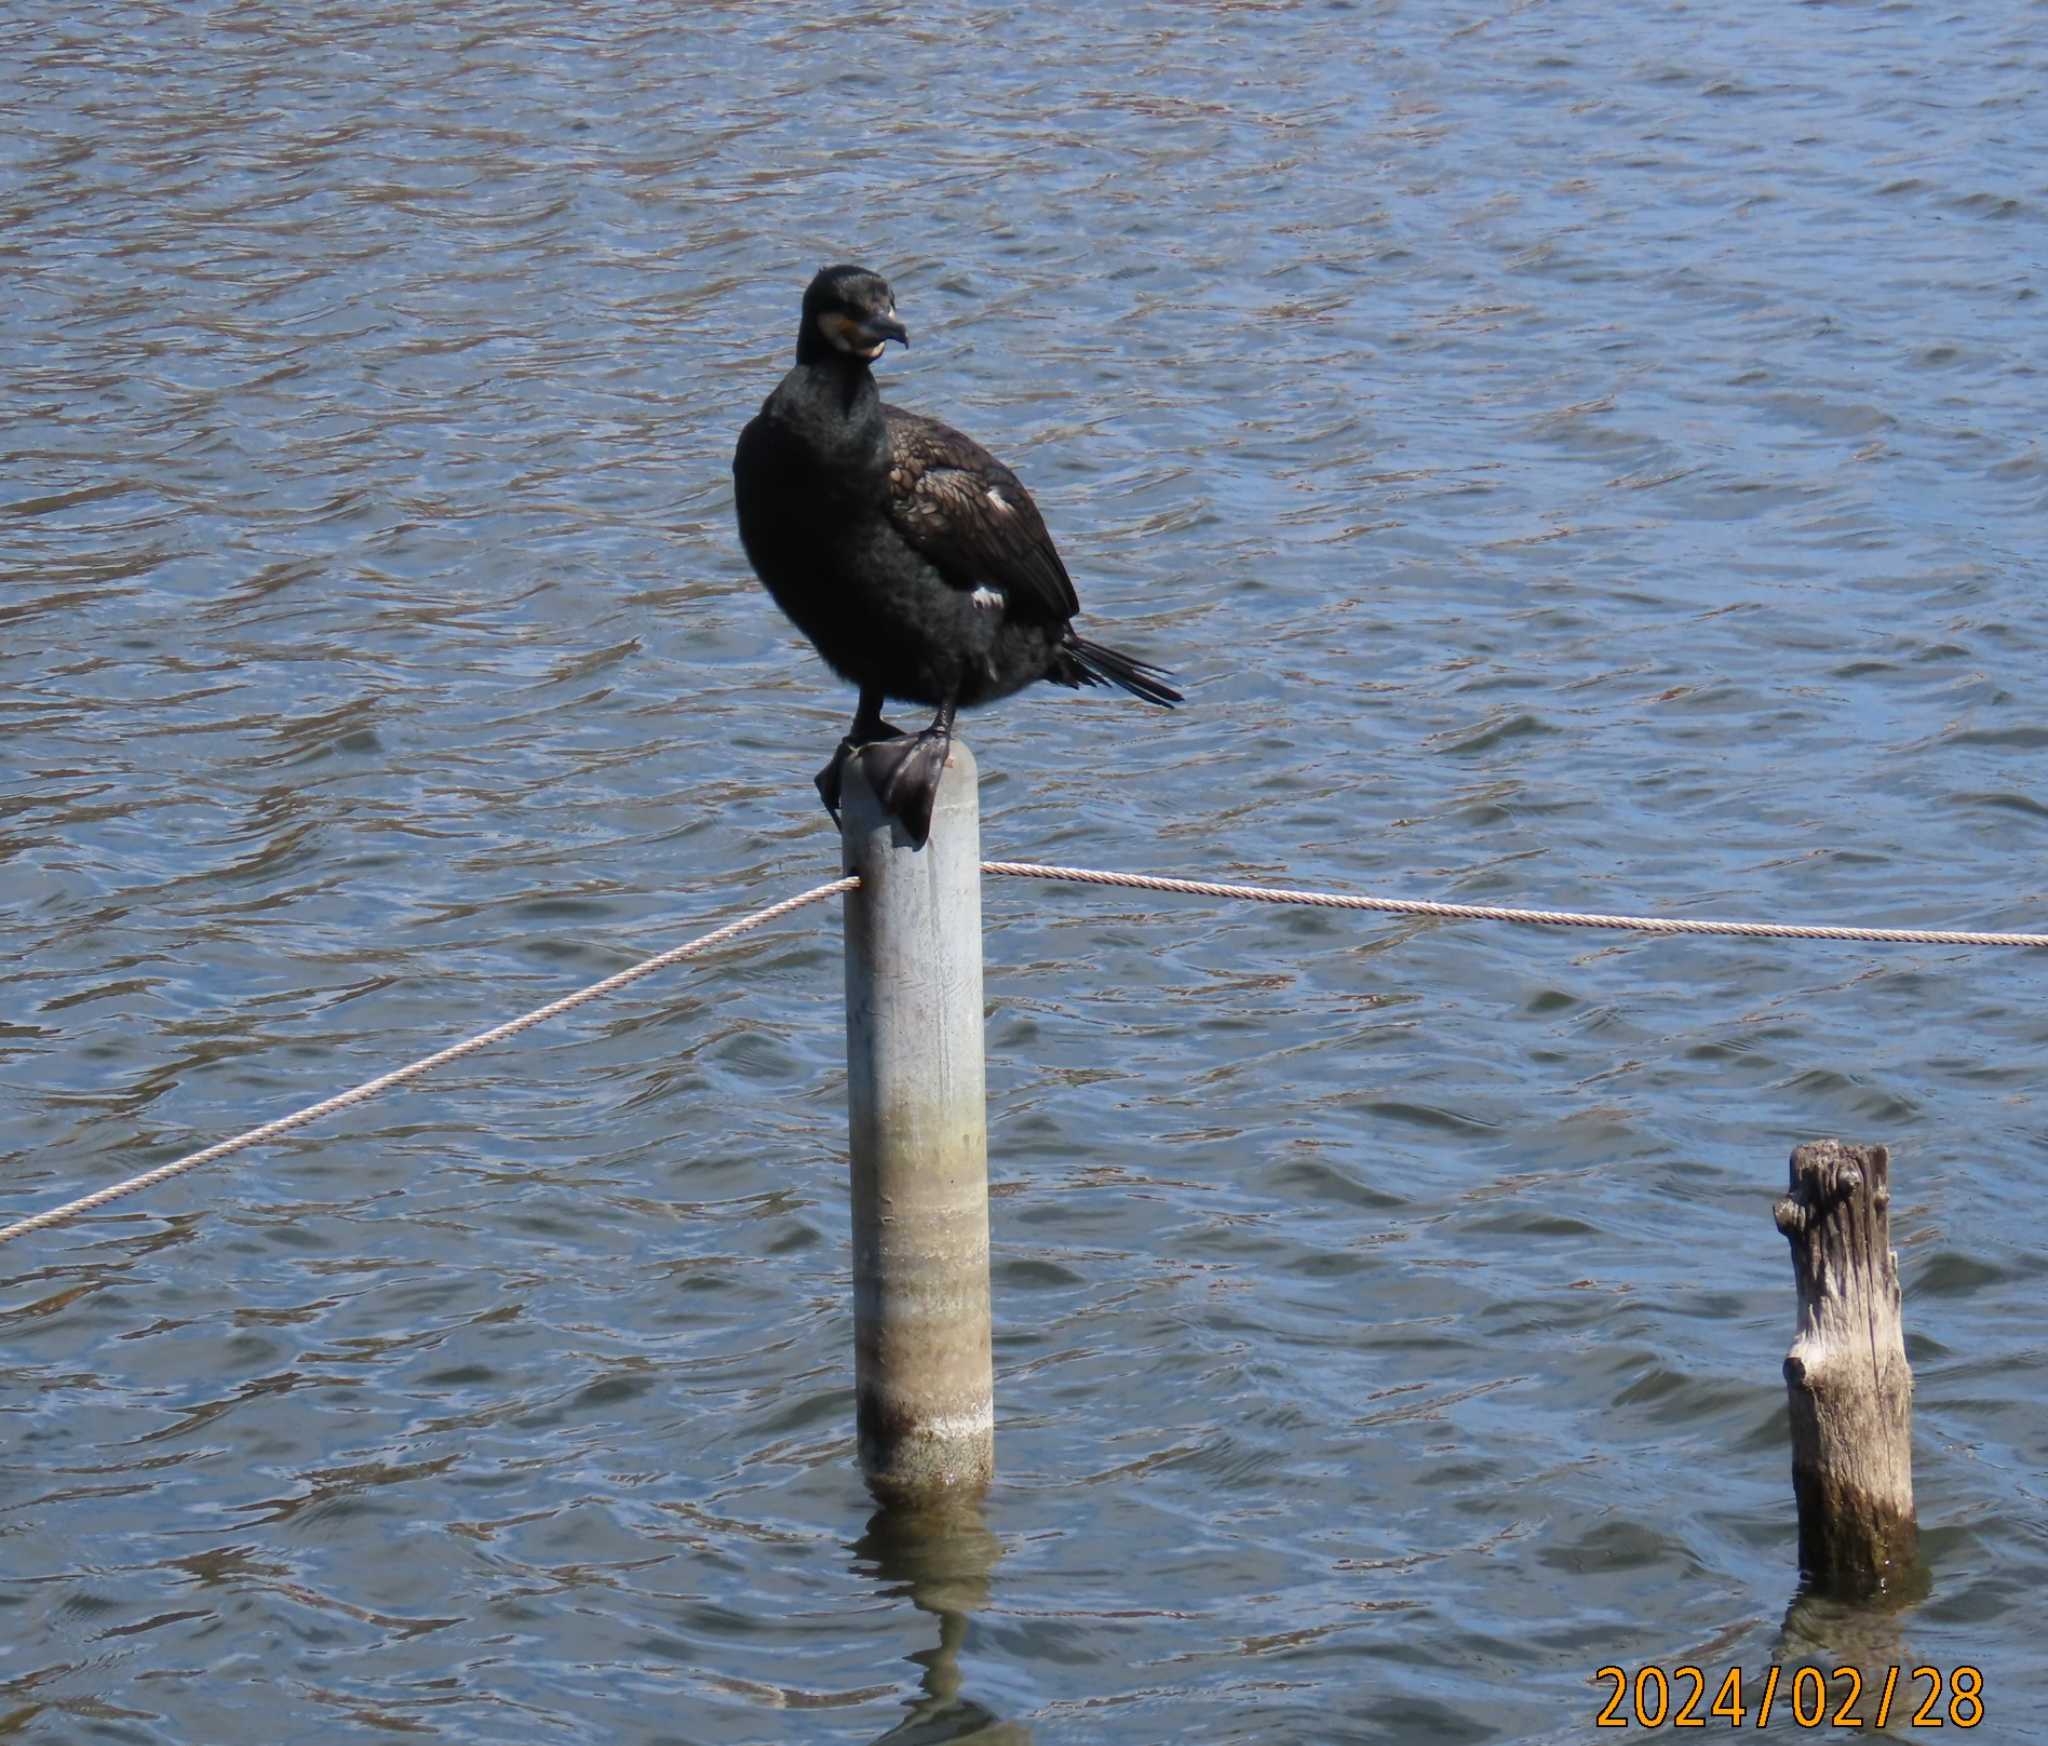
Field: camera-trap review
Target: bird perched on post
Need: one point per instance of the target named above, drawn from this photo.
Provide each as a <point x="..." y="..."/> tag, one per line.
<point x="910" y="556"/>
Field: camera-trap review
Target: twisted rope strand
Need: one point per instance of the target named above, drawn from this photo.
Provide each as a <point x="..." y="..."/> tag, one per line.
<point x="403" y="1075"/>
<point x="1552" y="918"/>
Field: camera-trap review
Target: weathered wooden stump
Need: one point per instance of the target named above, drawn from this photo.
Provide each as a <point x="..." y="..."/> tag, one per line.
<point x="1850" y="1386"/>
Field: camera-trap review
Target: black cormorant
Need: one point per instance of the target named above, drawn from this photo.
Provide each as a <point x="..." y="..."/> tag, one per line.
<point x="906" y="552"/>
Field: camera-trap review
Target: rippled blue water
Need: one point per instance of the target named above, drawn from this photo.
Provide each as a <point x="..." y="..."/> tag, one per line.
<point x="1575" y="455"/>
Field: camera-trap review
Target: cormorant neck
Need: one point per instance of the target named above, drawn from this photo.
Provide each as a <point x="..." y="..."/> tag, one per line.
<point x="842" y="377"/>
<point x="813" y="348"/>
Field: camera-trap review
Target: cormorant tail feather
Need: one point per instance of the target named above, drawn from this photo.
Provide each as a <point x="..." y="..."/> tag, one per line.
<point x="1095" y="665"/>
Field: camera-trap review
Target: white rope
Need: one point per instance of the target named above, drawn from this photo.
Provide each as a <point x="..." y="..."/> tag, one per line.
<point x="1549" y="918"/>
<point x="455" y="1052"/>
<point x="1552" y="918"/>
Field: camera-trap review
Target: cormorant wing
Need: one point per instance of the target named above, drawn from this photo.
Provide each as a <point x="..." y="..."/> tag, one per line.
<point x="971" y="516"/>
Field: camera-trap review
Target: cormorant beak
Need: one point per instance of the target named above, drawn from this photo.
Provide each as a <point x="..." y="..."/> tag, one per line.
<point x="877" y="328"/>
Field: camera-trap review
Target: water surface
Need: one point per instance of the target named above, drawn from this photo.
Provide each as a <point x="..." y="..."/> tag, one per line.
<point x="1576" y="456"/>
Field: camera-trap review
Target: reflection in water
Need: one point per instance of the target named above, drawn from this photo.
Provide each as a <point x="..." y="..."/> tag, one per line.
<point x="940" y="1555"/>
<point x="1830" y="1632"/>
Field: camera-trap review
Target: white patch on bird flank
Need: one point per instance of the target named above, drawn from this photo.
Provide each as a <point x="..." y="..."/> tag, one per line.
<point x="1001" y="503"/>
<point x="987" y="598"/>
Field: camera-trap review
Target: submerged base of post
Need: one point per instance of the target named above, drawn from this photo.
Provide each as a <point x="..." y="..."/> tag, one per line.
<point x="1850" y="1387"/>
<point x="917" y="1127"/>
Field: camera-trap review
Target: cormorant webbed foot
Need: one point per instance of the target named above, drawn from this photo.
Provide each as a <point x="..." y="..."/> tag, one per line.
<point x="828" y="779"/>
<point x="905" y="773"/>
<point x="864" y="733"/>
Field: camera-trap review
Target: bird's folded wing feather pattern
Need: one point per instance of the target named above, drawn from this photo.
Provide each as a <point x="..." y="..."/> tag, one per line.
<point x="971" y="516"/>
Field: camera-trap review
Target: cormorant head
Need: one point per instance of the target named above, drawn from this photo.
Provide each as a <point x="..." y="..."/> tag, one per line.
<point x="851" y="311"/>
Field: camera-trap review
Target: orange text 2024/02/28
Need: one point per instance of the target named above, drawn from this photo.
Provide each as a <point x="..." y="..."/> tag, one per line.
<point x="1808" y="1697"/>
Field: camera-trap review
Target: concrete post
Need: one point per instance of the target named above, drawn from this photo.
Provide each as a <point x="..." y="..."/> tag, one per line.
<point x="917" y="1124"/>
